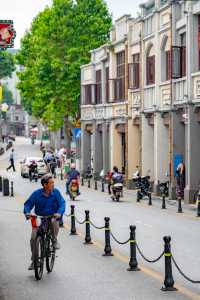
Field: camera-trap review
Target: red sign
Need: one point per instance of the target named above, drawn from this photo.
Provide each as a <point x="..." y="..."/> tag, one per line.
<point x="7" y="34"/>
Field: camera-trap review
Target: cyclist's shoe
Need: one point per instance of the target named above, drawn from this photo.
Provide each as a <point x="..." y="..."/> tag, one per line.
<point x="31" y="267"/>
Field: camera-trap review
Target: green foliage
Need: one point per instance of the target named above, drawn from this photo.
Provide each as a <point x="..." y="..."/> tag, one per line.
<point x="52" y="52"/>
<point x="7" y="64"/>
<point x="7" y="95"/>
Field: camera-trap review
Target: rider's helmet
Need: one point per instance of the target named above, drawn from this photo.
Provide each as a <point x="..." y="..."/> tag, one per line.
<point x="115" y="169"/>
<point x="73" y="166"/>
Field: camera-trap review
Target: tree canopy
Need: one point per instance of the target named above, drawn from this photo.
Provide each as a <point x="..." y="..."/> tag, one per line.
<point x="52" y="52"/>
<point x="7" y="95"/>
<point x="7" y="64"/>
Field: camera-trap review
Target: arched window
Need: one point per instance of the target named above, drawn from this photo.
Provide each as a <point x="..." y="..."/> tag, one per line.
<point x="150" y="65"/>
<point x="165" y="59"/>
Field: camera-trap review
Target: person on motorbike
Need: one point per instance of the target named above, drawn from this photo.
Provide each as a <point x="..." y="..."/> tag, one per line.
<point x="32" y="169"/>
<point x="45" y="201"/>
<point x="71" y="175"/>
<point x="116" y="178"/>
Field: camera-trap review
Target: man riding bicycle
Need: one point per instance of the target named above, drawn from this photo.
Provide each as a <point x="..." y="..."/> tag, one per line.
<point x="45" y="201"/>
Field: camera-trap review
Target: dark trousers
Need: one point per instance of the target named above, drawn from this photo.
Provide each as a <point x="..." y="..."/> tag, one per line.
<point x="12" y="165"/>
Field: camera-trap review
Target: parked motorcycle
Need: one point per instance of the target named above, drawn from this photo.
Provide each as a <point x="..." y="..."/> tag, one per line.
<point x="164" y="188"/>
<point x="143" y="184"/>
<point x="73" y="189"/>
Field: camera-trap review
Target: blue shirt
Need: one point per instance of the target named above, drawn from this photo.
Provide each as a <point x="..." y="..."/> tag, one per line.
<point x="45" y="205"/>
<point x="73" y="174"/>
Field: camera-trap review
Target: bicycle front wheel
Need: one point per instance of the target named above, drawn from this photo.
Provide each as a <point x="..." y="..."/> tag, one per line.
<point x="38" y="259"/>
<point x="50" y="254"/>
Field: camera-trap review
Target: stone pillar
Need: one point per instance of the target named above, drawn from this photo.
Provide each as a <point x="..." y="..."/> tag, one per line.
<point x="161" y="145"/>
<point x="192" y="154"/>
<point x="147" y="148"/>
<point x="133" y="149"/>
<point x="85" y="148"/>
<point x="178" y="142"/>
<point x="192" y="141"/>
<point x="97" y="151"/>
<point x="106" y="147"/>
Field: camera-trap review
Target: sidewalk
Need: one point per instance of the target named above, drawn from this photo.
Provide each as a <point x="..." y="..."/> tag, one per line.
<point x="131" y="195"/>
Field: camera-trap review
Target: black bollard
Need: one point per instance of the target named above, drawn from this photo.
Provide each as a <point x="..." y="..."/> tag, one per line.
<point x="150" y="200"/>
<point x="133" y="259"/>
<point x="11" y="190"/>
<point x="82" y="181"/>
<point x="179" y="205"/>
<point x="168" y="281"/>
<point x="1" y="183"/>
<point x="73" y="221"/>
<point x="6" y="187"/>
<point x="61" y="174"/>
<point x="198" y="205"/>
<point x="102" y="187"/>
<point x="109" y="188"/>
<point x="89" y="184"/>
<point x="107" y="249"/>
<point x="88" y="239"/>
<point x="138" y="196"/>
<point x="95" y="185"/>
<point x="163" y="202"/>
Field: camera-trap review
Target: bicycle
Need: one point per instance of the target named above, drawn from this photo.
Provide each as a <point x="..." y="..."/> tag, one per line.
<point x="44" y="246"/>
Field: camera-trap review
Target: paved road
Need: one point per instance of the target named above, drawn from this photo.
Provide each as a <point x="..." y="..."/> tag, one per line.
<point x="81" y="272"/>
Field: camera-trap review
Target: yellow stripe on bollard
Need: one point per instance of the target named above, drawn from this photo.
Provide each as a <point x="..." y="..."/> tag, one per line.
<point x="167" y="254"/>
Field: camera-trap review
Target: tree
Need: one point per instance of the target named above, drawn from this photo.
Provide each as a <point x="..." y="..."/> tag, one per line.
<point x="7" y="95"/>
<point x="7" y="64"/>
<point x="52" y="52"/>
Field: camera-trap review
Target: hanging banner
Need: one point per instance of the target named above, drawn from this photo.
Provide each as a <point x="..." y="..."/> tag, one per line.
<point x="7" y="34"/>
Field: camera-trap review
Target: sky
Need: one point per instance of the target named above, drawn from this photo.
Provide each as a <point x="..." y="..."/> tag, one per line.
<point x="22" y="12"/>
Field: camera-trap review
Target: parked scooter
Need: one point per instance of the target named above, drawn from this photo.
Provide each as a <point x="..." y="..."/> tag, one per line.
<point x="143" y="184"/>
<point x="73" y="189"/>
<point x="164" y="188"/>
<point x="117" y="189"/>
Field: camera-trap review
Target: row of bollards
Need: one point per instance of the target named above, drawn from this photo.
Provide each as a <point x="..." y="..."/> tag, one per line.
<point x="95" y="184"/>
<point x="133" y="263"/>
<point x="149" y="195"/>
<point x="6" y="187"/>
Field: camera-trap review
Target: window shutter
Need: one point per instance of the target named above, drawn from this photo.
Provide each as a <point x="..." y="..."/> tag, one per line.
<point x="176" y="62"/>
<point x="183" y="61"/>
<point x="168" y="65"/>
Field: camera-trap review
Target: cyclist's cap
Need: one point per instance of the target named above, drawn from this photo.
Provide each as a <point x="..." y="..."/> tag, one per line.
<point x="45" y="178"/>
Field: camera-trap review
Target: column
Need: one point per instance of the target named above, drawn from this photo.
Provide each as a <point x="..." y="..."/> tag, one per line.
<point x="147" y="148"/>
<point x="97" y="151"/>
<point x="161" y="140"/>
<point x="85" y="148"/>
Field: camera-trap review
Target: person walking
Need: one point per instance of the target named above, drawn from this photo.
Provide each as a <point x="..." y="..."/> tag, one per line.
<point x="180" y="179"/>
<point x="12" y="161"/>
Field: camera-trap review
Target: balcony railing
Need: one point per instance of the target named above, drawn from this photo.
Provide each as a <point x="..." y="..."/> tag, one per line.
<point x="180" y="90"/>
<point x="149" y="98"/>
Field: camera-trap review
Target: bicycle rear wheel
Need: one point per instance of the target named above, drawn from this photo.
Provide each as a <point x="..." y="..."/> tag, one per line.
<point x="50" y="254"/>
<point x="38" y="259"/>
